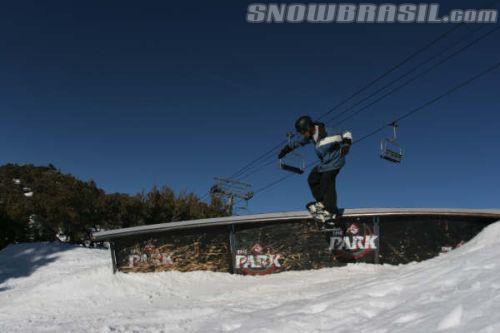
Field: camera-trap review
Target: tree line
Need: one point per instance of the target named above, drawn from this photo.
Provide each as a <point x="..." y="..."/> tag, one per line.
<point x="40" y="203"/>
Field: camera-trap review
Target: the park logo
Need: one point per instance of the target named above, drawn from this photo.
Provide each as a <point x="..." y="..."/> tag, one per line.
<point x="259" y="260"/>
<point x="150" y="256"/>
<point x="357" y="241"/>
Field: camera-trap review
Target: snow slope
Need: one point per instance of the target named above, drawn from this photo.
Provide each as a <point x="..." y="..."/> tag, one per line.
<point x="60" y="288"/>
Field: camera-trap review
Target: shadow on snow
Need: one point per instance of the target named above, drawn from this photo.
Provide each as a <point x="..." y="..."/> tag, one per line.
<point x="21" y="260"/>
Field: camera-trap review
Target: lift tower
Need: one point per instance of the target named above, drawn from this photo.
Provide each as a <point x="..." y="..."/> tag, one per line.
<point x="228" y="189"/>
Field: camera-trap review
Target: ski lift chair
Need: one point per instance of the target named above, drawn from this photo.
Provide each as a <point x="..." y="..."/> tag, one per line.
<point x="293" y="162"/>
<point x="390" y="150"/>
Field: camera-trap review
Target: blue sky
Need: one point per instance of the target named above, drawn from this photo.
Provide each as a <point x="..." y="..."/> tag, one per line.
<point x="134" y="94"/>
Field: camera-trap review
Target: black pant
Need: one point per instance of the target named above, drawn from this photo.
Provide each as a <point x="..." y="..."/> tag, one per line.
<point x="323" y="189"/>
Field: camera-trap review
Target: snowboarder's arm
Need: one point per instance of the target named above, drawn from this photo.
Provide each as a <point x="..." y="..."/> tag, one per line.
<point x="293" y="145"/>
<point x="331" y="142"/>
<point x="346" y="142"/>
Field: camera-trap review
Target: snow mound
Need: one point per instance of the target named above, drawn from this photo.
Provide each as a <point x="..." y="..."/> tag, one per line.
<point x="61" y="288"/>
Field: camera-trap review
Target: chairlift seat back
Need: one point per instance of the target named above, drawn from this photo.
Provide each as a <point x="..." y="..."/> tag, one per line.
<point x="291" y="168"/>
<point x="391" y="156"/>
<point x="391" y="151"/>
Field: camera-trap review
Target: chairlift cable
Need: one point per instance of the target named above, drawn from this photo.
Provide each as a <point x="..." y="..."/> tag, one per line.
<point x="413" y="69"/>
<point x="407" y="82"/>
<point x="432" y="101"/>
<point x="392" y="69"/>
<point x="268" y="153"/>
<point x="258" y="168"/>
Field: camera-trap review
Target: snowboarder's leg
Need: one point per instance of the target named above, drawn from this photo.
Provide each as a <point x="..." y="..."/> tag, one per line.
<point x="316" y="208"/>
<point x="314" y="181"/>
<point x="328" y="187"/>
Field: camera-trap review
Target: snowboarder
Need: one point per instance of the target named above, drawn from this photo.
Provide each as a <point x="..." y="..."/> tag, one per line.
<point x="331" y="150"/>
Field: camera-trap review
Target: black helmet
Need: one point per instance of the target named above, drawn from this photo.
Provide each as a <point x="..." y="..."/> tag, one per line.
<point x="303" y="124"/>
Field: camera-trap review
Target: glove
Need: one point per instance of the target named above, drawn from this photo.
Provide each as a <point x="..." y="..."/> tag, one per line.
<point x="284" y="151"/>
<point x="346" y="143"/>
<point x="347" y="138"/>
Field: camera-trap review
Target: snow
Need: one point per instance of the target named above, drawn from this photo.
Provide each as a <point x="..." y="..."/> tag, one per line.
<point x="52" y="287"/>
<point x="452" y="319"/>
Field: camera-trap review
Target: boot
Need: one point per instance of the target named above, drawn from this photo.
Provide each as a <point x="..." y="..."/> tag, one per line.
<point x="317" y="210"/>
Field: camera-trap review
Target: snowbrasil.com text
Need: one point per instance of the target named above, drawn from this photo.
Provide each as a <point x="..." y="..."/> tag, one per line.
<point x="364" y="13"/>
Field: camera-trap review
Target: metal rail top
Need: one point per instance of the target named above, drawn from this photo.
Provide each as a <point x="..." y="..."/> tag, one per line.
<point x="287" y="216"/>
